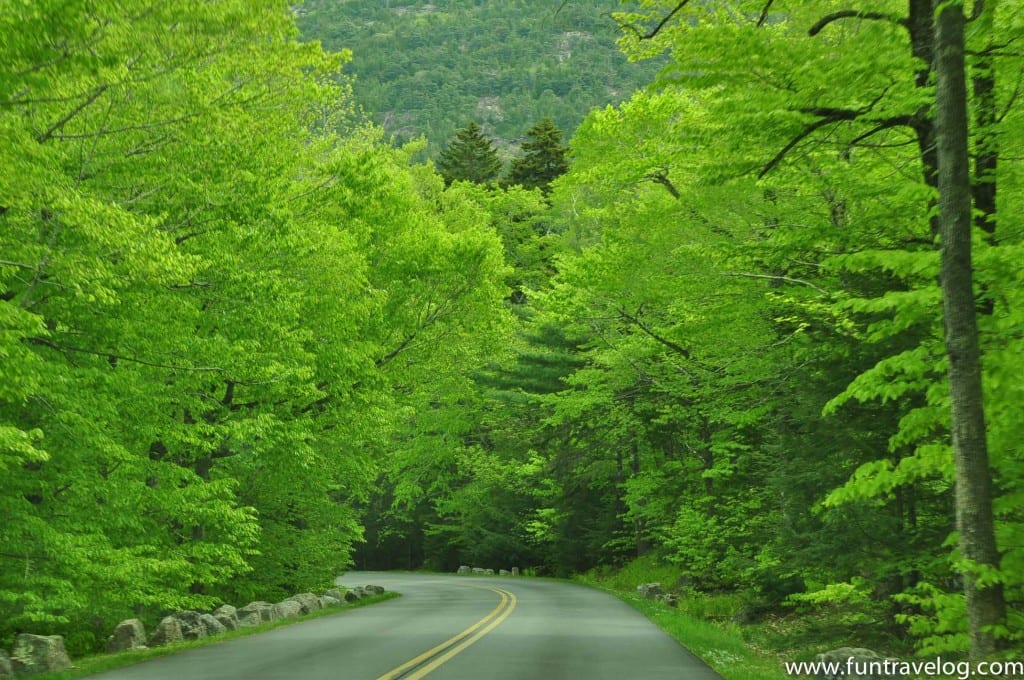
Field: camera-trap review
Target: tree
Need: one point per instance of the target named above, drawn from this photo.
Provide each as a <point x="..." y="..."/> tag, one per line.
<point x="543" y="160"/>
<point x="469" y="157"/>
<point x="975" y="521"/>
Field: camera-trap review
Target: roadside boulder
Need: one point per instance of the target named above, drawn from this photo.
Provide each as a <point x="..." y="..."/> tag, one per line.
<point x="373" y="590"/>
<point x="650" y="591"/>
<point x="488" y="572"/>
<point x="671" y="599"/>
<point x="352" y="595"/>
<point x="329" y="601"/>
<point x="463" y="570"/>
<point x="479" y="571"/>
<point x="853" y="663"/>
<point x="192" y="627"/>
<point x="504" y="572"/>
<point x="335" y="593"/>
<point x="515" y="571"/>
<point x="6" y="670"/>
<point x="39" y="654"/>
<point x="307" y="601"/>
<point x="287" y="609"/>
<point x="212" y="625"/>
<point x="129" y="634"/>
<point x="166" y="632"/>
<point x="255" y="613"/>
<point x="227" y="615"/>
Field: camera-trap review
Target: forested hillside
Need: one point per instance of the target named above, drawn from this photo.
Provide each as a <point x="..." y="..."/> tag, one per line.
<point x="429" y="67"/>
<point x="764" y="326"/>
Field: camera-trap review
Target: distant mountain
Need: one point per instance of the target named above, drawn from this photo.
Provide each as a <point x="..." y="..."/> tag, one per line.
<point x="429" y="68"/>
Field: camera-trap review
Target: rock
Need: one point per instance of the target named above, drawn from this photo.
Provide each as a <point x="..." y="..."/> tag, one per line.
<point x="463" y="570"/>
<point x="671" y="599"/>
<point x="129" y="634"/>
<point x="353" y="596"/>
<point x="335" y="593"/>
<point x="329" y="601"/>
<point x="192" y="627"/>
<point x="212" y="625"/>
<point x="478" y="571"/>
<point x="255" y="613"/>
<point x="6" y="670"/>
<point x="850" y="660"/>
<point x="651" y="591"/>
<point x="373" y="590"/>
<point x="488" y="572"/>
<point x="39" y="654"/>
<point x="166" y="632"/>
<point x="504" y="572"/>
<point x="515" y="571"/>
<point x="307" y="601"/>
<point x="287" y="609"/>
<point x="227" y="615"/>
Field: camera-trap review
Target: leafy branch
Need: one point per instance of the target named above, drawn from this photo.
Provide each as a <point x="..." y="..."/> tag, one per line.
<point x="855" y="14"/>
<point x="657" y="28"/>
<point x="44" y="342"/>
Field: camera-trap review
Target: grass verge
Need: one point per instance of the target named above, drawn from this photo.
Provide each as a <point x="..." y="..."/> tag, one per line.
<point x="89" y="665"/>
<point x="721" y="645"/>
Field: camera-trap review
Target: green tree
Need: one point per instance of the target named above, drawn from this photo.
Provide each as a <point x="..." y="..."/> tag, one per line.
<point x="469" y="157"/>
<point x="543" y="159"/>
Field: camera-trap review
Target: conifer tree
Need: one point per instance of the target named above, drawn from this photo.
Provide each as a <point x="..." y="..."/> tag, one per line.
<point x="543" y="160"/>
<point x="470" y="157"/>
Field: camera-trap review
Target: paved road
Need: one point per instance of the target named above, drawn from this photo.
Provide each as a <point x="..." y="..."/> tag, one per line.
<point x="448" y="628"/>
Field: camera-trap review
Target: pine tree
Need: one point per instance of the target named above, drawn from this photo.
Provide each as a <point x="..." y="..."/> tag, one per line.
<point x="543" y="160"/>
<point x="470" y="157"/>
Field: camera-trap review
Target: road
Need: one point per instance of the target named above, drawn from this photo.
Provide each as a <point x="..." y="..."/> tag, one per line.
<point x="448" y="628"/>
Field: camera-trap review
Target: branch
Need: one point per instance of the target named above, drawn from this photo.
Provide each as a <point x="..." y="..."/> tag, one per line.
<point x="895" y="121"/>
<point x="764" y="13"/>
<point x="20" y="265"/>
<point x="792" y="143"/>
<point x="855" y="14"/>
<point x="827" y="115"/>
<point x="661" y="24"/>
<point x="117" y="357"/>
<point x="787" y="279"/>
<point x="45" y="136"/>
<point x="635" y="320"/>
<point x="661" y="177"/>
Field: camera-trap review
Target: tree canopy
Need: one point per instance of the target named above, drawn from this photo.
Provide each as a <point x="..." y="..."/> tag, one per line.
<point x="543" y="158"/>
<point x="760" y="319"/>
<point x="469" y="157"/>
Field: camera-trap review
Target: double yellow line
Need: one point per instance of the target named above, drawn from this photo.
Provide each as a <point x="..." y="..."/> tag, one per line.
<point x="429" y="660"/>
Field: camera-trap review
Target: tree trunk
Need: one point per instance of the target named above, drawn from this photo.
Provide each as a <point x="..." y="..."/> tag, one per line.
<point x="975" y="524"/>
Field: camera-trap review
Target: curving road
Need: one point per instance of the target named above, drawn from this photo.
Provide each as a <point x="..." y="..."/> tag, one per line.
<point x="448" y="628"/>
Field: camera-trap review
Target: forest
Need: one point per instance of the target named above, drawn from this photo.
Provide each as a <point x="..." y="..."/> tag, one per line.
<point x="427" y="69"/>
<point x="760" y="319"/>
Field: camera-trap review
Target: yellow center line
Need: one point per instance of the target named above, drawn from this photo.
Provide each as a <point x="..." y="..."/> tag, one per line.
<point x="456" y="650"/>
<point x="504" y="608"/>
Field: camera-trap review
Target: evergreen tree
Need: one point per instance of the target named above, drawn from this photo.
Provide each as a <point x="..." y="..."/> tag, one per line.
<point x="470" y="157"/>
<point x="544" y="158"/>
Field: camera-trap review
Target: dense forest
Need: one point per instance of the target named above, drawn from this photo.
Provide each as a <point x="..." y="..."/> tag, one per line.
<point x="762" y="320"/>
<point x="424" y="68"/>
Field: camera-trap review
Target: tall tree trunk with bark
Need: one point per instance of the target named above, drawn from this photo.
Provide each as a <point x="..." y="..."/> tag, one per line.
<point x="985" y="605"/>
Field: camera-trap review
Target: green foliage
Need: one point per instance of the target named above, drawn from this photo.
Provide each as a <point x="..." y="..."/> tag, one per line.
<point x="216" y="296"/>
<point x="469" y="157"/>
<point x="421" y="68"/>
<point x="543" y="158"/>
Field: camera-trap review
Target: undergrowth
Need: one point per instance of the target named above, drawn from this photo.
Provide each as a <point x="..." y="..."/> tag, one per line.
<point x="720" y="629"/>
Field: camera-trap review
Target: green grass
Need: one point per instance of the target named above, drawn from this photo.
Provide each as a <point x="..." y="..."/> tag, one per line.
<point x="704" y="623"/>
<point x="104" y="662"/>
